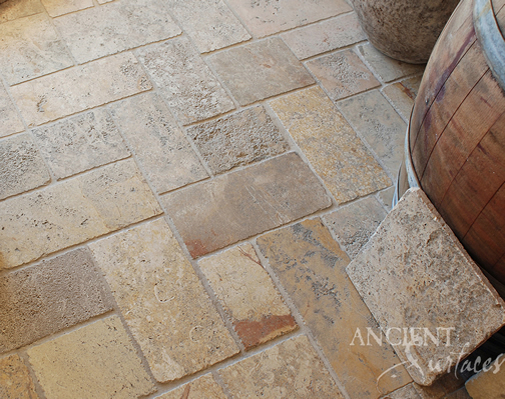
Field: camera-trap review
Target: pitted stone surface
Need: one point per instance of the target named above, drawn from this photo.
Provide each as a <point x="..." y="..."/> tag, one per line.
<point x="10" y="10"/>
<point x="15" y="379"/>
<point x="164" y="304"/>
<point x="56" y="8"/>
<point x="203" y="388"/>
<point x="239" y="139"/>
<point x="408" y="274"/>
<point x="11" y="123"/>
<point x="402" y="95"/>
<point x="407" y="392"/>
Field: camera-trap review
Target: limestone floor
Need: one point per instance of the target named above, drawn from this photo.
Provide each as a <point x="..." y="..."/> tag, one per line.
<point x="182" y="184"/>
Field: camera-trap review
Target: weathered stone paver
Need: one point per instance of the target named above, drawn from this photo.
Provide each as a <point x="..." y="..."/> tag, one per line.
<point x="15" y="379"/>
<point x="402" y="95"/>
<point x="56" y="8"/>
<point x="10" y="10"/>
<point x="407" y="392"/>
<point x="95" y="361"/>
<point x="202" y="388"/>
<point x="11" y="123"/>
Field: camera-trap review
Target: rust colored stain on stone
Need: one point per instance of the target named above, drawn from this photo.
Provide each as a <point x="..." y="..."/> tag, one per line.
<point x="253" y="333"/>
<point x="196" y="248"/>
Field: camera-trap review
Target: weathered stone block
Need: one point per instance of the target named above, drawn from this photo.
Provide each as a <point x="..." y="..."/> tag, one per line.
<point x="202" y="388"/>
<point x="11" y="122"/>
<point x="15" y="379"/>
<point x="490" y="384"/>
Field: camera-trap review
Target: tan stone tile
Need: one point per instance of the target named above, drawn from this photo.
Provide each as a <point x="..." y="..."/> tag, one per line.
<point x="163" y="302"/>
<point x="386" y="197"/>
<point x="80" y="88"/>
<point x="342" y="74"/>
<point x="408" y="275"/>
<point x="327" y="35"/>
<point x="15" y="379"/>
<point x="264" y="17"/>
<point x="402" y="95"/>
<point x="159" y="144"/>
<point x="21" y="166"/>
<point x="331" y="146"/>
<point x="443" y="386"/>
<point x="311" y="267"/>
<point x="115" y="27"/>
<point x="14" y="9"/>
<point x="407" y="392"/>
<point x="186" y="82"/>
<point x="72" y="212"/>
<point x="202" y="388"/>
<point x="248" y="295"/>
<point x="11" y="122"/>
<point x="50" y="296"/>
<point x="239" y="139"/>
<point x="259" y="70"/>
<point x="238" y="205"/>
<point x="56" y="8"/>
<point x="95" y="361"/>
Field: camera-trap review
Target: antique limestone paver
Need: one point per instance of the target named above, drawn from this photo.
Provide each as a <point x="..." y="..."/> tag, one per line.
<point x="311" y="267"/>
<point x="56" y="8"/>
<point x="490" y="384"/>
<point x="408" y="274"/>
<point x="11" y="123"/>
<point x="407" y="392"/>
<point x="239" y="139"/>
<point x="49" y="297"/>
<point x="95" y="361"/>
<point x="402" y="95"/>
<point x="202" y="388"/>
<point x="150" y="276"/>
<point x="256" y="199"/>
<point x="259" y="70"/>
<point x="15" y="379"/>
<point x="10" y="10"/>
<point x="339" y="157"/>
<point x="248" y="295"/>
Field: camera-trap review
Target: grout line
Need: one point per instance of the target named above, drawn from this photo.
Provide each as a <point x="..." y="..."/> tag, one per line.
<point x="38" y="387"/>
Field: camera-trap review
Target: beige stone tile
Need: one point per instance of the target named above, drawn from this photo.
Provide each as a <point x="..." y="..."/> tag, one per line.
<point x="15" y="379"/>
<point x="21" y="166"/>
<point x="11" y="122"/>
<point x="115" y="27"/>
<point x="248" y="295"/>
<point x="443" y="386"/>
<point x="311" y="267"/>
<point x="331" y="146"/>
<point x="30" y="47"/>
<point x="264" y="17"/>
<point x="163" y="302"/>
<point x="95" y="361"/>
<point x="408" y="274"/>
<point x="186" y="82"/>
<point x="239" y="139"/>
<point x="79" y="88"/>
<point x="14" y="9"/>
<point x="238" y="205"/>
<point x="202" y="388"/>
<point x="386" y="197"/>
<point x="259" y="70"/>
<point x="327" y="35"/>
<point x="72" y="212"/>
<point x="50" y="296"/>
<point x="402" y="95"/>
<point x="56" y="8"/>
<point x="407" y="392"/>
<point x="342" y="74"/>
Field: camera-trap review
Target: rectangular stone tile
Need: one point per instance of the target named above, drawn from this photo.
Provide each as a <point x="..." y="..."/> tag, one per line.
<point x="402" y="95"/>
<point x="259" y="70"/>
<point x="335" y="151"/>
<point x="202" y="388"/>
<point x="408" y="275"/>
<point x="56" y="8"/>
<point x="115" y="27"/>
<point x="21" y="166"/>
<point x="15" y="379"/>
<point x="327" y="35"/>
<point x="311" y="267"/>
<point x="95" y="361"/>
<point x="80" y="143"/>
<point x="41" y="300"/>
<point x="248" y="295"/>
<point x="342" y="74"/>
<point x="10" y="10"/>
<point x="72" y="212"/>
<point x="188" y="85"/>
<point x="239" y="139"/>
<point x="235" y="206"/>
<point x="30" y="47"/>
<point x="11" y="122"/>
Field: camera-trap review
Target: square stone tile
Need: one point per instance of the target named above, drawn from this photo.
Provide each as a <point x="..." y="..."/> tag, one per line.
<point x="259" y="70"/>
<point x="202" y="388"/>
<point x="402" y="95"/>
<point x="15" y="379"/>
<point x="408" y="275"/>
<point x="342" y="74"/>
<point x="56" y="8"/>
<point x="10" y="10"/>
<point x="239" y="139"/>
<point x="11" y="122"/>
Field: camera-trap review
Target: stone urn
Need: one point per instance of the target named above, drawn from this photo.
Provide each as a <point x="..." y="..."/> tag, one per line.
<point x="406" y="30"/>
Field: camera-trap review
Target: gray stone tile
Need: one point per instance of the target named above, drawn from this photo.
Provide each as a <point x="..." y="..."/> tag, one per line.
<point x="10" y="10"/>
<point x="11" y="122"/>
<point x="56" y="8"/>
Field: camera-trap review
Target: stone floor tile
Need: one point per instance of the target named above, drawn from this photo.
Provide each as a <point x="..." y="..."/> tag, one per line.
<point x="291" y="369"/>
<point x="376" y="120"/>
<point x="38" y="301"/>
<point x="115" y="27"/>
<point x="386" y="197"/>
<point x="238" y="139"/>
<point x="15" y="379"/>
<point x="334" y="150"/>
<point x="11" y="122"/>
<point x="248" y="295"/>
<point x="30" y="47"/>
<point x="402" y="95"/>
<point x="442" y="387"/>
<point x="72" y="212"/>
<point x="21" y="166"/>
<point x="95" y="361"/>
<point x="159" y="144"/>
<point x="202" y="388"/>
<point x="68" y="92"/>
<point x="407" y="392"/>
<point x="408" y="274"/>
<point x="187" y="83"/>
<point x="461" y="394"/>
<point x="10" y="9"/>
<point x="162" y="301"/>
<point x="311" y="267"/>
<point x="327" y="35"/>
<point x="259" y="70"/>
<point x="210" y="24"/>
<point x="264" y="17"/>
<point x="238" y="205"/>
<point x="55" y="8"/>
<point x="80" y="143"/>
<point x="354" y="224"/>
